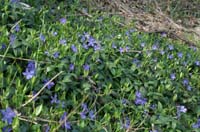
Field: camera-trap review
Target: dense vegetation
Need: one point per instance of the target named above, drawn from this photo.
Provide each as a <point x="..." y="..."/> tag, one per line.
<point x="64" y="72"/>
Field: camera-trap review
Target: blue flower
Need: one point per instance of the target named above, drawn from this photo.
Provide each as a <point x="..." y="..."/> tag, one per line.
<point x="92" y="115"/>
<point x="170" y="56"/>
<point x="142" y="44"/>
<point x="86" y="67"/>
<point x="97" y="47"/>
<point x="63" y="20"/>
<point x="180" y="55"/>
<point x="74" y="49"/>
<point x="173" y="76"/>
<point x="14" y="1"/>
<point x="84" y="111"/>
<point x="126" y="123"/>
<point x="12" y="38"/>
<point x="17" y="28"/>
<point x="8" y="115"/>
<point x="47" y="128"/>
<point x="63" y="41"/>
<point x="85" y="46"/>
<point x="139" y="100"/>
<point x="30" y="70"/>
<point x="185" y="82"/>
<point x="3" y="46"/>
<point x="54" y="99"/>
<point x="121" y="50"/>
<point x="154" y="47"/>
<point x="197" y="124"/>
<point x="54" y="33"/>
<point x="56" y="54"/>
<point x="42" y="37"/>
<point x="153" y="130"/>
<point x="83" y="115"/>
<point x="197" y="63"/>
<point x="28" y="74"/>
<point x="114" y="46"/>
<point x="181" y="109"/>
<point x="50" y="85"/>
<point x="162" y="52"/>
<point x="171" y="47"/>
<point x="71" y="67"/>
<point x="66" y="124"/>
<point x="6" y="129"/>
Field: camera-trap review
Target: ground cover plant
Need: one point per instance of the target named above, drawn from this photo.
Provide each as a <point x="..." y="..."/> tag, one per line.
<point x="64" y="72"/>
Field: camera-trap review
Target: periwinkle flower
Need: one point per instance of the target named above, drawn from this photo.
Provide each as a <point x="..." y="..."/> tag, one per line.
<point x="91" y="41"/>
<point x="97" y="47"/>
<point x="127" y="123"/>
<point x="92" y="115"/>
<point x="6" y="129"/>
<point x="180" y="55"/>
<point x="154" y="47"/>
<point x="181" y="109"/>
<point x="189" y="88"/>
<point x="114" y="46"/>
<point x="54" y="99"/>
<point x="84" y="111"/>
<point x="162" y="52"/>
<point x="127" y="48"/>
<point x="71" y="67"/>
<point x="7" y="115"/>
<point x="164" y="34"/>
<point x="54" y="33"/>
<point x="63" y="20"/>
<point x="142" y="44"/>
<point x="86" y="67"/>
<point x="153" y="130"/>
<point x="17" y="28"/>
<point x="197" y="63"/>
<point x="171" y="47"/>
<point x="56" y="54"/>
<point x="124" y="101"/>
<point x="170" y="56"/>
<point x="12" y="38"/>
<point x="139" y="100"/>
<point x="63" y="41"/>
<point x="85" y="46"/>
<point x="42" y="37"/>
<point x="30" y="70"/>
<point x="83" y="115"/>
<point x="197" y="124"/>
<point x="173" y="76"/>
<point x="185" y="82"/>
<point x="14" y="1"/>
<point x="121" y="50"/>
<point x="50" y="85"/>
<point x="66" y="124"/>
<point x="74" y="49"/>
<point x="3" y="46"/>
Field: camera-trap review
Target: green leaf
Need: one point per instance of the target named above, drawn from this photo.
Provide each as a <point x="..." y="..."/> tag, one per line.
<point x="38" y="109"/>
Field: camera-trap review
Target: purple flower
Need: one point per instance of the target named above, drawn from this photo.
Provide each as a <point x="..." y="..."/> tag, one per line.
<point x="185" y="82"/>
<point x="54" y="33"/>
<point x="154" y="47"/>
<point x="153" y="130"/>
<point x="127" y="48"/>
<point x="170" y="56"/>
<point x="139" y="100"/>
<point x="6" y="129"/>
<point x="126" y="123"/>
<point x="197" y="63"/>
<point x="171" y="47"/>
<point x="85" y="46"/>
<point x="63" y="41"/>
<point x="97" y="47"/>
<point x="50" y="85"/>
<point x="180" y="55"/>
<point x="173" y="76"/>
<point x="42" y="37"/>
<point x="197" y="124"/>
<point x="114" y="46"/>
<point x="66" y="124"/>
<point x="91" y="41"/>
<point x="189" y="88"/>
<point x="162" y="52"/>
<point x="7" y="115"/>
<point x="124" y="101"/>
<point x="47" y="128"/>
<point x="92" y="115"/>
<point x="12" y="38"/>
<point x="30" y="70"/>
<point x="17" y="28"/>
<point x="74" y="49"/>
<point x="83" y="115"/>
<point x="3" y="46"/>
<point x="121" y="50"/>
<point x="86" y="67"/>
<point x="71" y="67"/>
<point x="181" y="109"/>
<point x="56" y="54"/>
<point x="14" y="1"/>
<point x="84" y="107"/>
<point x="163" y="34"/>
<point x="63" y="20"/>
<point x="142" y="44"/>
<point x="54" y="99"/>
<point x="28" y="74"/>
